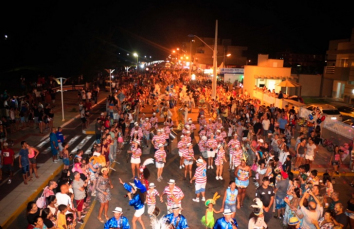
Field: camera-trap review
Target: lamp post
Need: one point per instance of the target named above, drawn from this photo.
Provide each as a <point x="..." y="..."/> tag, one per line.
<point x="215" y="50"/>
<point x="110" y="71"/>
<point x="190" y="61"/>
<point x="60" y="81"/>
<point x="137" y="61"/>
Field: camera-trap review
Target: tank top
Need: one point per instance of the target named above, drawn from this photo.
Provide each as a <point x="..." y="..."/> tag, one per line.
<point x="242" y="174"/>
<point x="337" y="157"/>
<point x="231" y="196"/>
<point x="301" y="149"/>
<point x="30" y="153"/>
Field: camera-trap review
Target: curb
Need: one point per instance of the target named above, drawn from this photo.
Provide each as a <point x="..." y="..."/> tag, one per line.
<point x="341" y="174"/>
<point x="31" y="198"/>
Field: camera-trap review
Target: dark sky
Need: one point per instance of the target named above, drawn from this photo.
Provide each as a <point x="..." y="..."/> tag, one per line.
<point x="61" y="30"/>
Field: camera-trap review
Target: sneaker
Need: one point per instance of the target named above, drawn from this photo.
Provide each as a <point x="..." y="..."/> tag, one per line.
<point x="217" y="178"/>
<point x="203" y="198"/>
<point x="220" y="178"/>
<point x="182" y="165"/>
<point x="211" y="167"/>
<point x="196" y="200"/>
<point x="55" y="161"/>
<point x="158" y="179"/>
<point x="80" y="221"/>
<point x="9" y="181"/>
<point x="161" y="177"/>
<point x="83" y="215"/>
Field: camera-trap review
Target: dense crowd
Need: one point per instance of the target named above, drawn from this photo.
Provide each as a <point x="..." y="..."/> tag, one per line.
<point x="255" y="142"/>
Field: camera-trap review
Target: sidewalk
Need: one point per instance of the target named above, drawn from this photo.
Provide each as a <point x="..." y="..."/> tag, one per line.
<point x="15" y="196"/>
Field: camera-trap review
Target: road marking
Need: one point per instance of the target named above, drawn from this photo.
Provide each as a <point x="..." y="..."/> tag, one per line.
<point x="88" y="151"/>
<point x="43" y="143"/>
<point x="82" y="143"/>
<point x="73" y="139"/>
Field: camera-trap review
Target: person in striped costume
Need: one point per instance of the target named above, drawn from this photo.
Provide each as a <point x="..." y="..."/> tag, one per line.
<point x="211" y="150"/>
<point x="200" y="177"/>
<point x="160" y="157"/>
<point x="188" y="161"/>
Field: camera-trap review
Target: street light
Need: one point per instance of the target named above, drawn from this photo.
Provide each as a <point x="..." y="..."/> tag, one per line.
<point x="215" y="50"/>
<point x="137" y="60"/>
<point x="110" y="71"/>
<point x="228" y="55"/>
<point x="60" y="81"/>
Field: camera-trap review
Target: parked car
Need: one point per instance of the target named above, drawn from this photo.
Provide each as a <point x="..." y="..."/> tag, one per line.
<point x="346" y="111"/>
<point x="328" y="110"/>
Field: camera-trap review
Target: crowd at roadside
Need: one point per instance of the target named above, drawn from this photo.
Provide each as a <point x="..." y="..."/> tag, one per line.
<point x="235" y="131"/>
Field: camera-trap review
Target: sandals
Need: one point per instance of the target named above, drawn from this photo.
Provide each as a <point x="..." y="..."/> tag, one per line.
<point x="100" y="219"/>
<point x="106" y="217"/>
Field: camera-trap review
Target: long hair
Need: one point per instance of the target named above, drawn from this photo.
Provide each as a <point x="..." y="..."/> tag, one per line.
<point x="146" y="173"/>
<point x="141" y="195"/>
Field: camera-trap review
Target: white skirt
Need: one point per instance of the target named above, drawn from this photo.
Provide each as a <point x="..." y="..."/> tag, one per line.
<point x="211" y="153"/>
<point x="139" y="212"/>
<point x="135" y="160"/>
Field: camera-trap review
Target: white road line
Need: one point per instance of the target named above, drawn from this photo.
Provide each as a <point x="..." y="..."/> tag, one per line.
<point x="73" y="139"/>
<point x="82" y="143"/>
<point x="43" y="143"/>
<point x="88" y="151"/>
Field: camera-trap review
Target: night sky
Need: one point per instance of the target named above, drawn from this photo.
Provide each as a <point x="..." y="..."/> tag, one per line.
<point x="60" y="38"/>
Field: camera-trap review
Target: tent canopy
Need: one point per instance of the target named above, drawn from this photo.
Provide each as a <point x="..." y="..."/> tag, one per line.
<point x="288" y="83"/>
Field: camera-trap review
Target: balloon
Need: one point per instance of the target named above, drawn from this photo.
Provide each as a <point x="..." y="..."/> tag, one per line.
<point x="323" y="118"/>
<point x="319" y="121"/>
<point x="310" y="116"/>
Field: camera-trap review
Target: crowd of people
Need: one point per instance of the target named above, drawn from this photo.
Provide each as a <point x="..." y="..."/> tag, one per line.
<point x="253" y="141"/>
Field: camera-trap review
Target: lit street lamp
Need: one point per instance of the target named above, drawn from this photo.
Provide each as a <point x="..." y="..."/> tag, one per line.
<point x="110" y="71"/>
<point x="137" y="60"/>
<point x="215" y="50"/>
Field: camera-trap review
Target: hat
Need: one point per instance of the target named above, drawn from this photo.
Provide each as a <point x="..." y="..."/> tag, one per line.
<point x="187" y="126"/>
<point x="103" y="169"/>
<point x="227" y="212"/>
<point x="219" y="146"/>
<point x="188" y="132"/>
<point x="260" y="140"/>
<point x="102" y="113"/>
<point x="182" y="136"/>
<point x="204" y="138"/>
<point x="147" y="119"/>
<point x="189" y="144"/>
<point x="218" y="131"/>
<point x="284" y="175"/>
<point x="136" y="124"/>
<point x="171" y="181"/>
<point x="212" y="201"/>
<point x="152" y="185"/>
<point x="175" y="206"/>
<point x="293" y="220"/>
<point x="154" y="113"/>
<point x="118" y="210"/>
<point x="200" y="161"/>
<point x="136" y="141"/>
<point x="160" y="145"/>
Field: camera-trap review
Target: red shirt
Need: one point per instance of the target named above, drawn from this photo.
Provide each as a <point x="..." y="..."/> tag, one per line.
<point x="8" y="155"/>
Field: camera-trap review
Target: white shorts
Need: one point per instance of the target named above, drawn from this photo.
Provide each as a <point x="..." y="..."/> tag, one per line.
<point x="160" y="165"/>
<point x="180" y="153"/>
<point x="139" y="212"/>
<point x="307" y="157"/>
<point x="135" y="160"/>
<point x="151" y="208"/>
<point x="186" y="162"/>
<point x="199" y="187"/>
<point x="60" y="145"/>
<point x="211" y="153"/>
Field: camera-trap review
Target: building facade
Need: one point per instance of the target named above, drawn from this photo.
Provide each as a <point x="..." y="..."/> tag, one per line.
<point x="338" y="75"/>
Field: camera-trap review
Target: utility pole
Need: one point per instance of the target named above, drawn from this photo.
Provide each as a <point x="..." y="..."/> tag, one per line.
<point x="215" y="62"/>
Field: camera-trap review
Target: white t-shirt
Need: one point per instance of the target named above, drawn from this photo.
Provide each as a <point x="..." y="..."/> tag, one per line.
<point x="310" y="149"/>
<point x="63" y="199"/>
<point x="260" y="224"/>
<point x="265" y="124"/>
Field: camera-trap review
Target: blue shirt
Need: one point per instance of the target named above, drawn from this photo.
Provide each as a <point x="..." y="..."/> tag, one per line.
<point x="136" y="202"/>
<point x="173" y="220"/>
<point x="282" y="123"/>
<point x="60" y="136"/>
<point x="222" y="224"/>
<point x="122" y="223"/>
<point x="53" y="138"/>
<point x="24" y="157"/>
